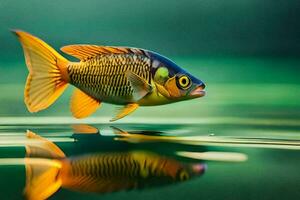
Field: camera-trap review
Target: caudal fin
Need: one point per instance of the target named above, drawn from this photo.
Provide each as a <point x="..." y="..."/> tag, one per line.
<point x="42" y="178"/>
<point x="47" y="77"/>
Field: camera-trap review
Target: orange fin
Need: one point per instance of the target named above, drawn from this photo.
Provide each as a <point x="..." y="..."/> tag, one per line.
<point x="48" y="76"/>
<point x="139" y="85"/>
<point x="85" y="52"/>
<point x="84" y="129"/>
<point x="83" y="105"/>
<point x="44" y="148"/>
<point x="42" y="178"/>
<point x="162" y="90"/>
<point x="129" y="108"/>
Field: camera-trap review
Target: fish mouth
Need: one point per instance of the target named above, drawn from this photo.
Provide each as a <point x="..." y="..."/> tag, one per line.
<point x="198" y="92"/>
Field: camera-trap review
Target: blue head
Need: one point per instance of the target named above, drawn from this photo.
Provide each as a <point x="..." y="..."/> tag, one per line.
<point x="174" y="82"/>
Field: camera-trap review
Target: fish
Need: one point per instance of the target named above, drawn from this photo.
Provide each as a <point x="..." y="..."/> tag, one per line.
<point x="98" y="172"/>
<point x="126" y="76"/>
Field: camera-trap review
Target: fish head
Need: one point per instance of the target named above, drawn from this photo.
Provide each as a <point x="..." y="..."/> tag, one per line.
<point x="174" y="82"/>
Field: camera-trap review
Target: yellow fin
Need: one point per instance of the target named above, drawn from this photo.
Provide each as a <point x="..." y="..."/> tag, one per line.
<point x="84" y="52"/>
<point x="42" y="178"/>
<point x="83" y="105"/>
<point x="129" y="108"/>
<point x="41" y="181"/>
<point x="44" y="148"/>
<point x="48" y="75"/>
<point x="162" y="90"/>
<point x="84" y="129"/>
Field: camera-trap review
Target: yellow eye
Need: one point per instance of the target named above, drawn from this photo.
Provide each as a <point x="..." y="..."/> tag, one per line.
<point x="184" y="82"/>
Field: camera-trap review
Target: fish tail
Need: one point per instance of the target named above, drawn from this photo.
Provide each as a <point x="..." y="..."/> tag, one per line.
<point x="42" y="176"/>
<point x="48" y="76"/>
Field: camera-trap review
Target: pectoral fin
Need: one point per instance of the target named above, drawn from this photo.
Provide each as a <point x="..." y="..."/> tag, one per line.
<point x="162" y="90"/>
<point x="139" y="85"/>
<point x="129" y="108"/>
<point x="83" y="105"/>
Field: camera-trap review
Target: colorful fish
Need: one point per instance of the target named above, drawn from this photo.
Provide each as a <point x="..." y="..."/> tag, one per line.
<point x="118" y="75"/>
<point x="97" y="172"/>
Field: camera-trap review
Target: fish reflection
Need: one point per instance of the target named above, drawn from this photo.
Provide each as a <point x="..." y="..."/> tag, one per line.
<point x="98" y="172"/>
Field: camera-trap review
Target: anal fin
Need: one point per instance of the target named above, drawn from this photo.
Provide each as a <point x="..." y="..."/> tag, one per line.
<point x="83" y="105"/>
<point x="129" y="108"/>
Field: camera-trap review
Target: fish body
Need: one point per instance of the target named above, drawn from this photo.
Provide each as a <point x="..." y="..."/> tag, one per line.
<point x="118" y="75"/>
<point x="118" y="171"/>
<point x="104" y="77"/>
<point x="98" y="172"/>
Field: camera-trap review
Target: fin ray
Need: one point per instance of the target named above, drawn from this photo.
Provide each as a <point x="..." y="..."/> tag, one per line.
<point x="129" y="108"/>
<point x="42" y="178"/>
<point x="83" y="105"/>
<point x="84" y="52"/>
<point x="162" y="90"/>
<point x="47" y="71"/>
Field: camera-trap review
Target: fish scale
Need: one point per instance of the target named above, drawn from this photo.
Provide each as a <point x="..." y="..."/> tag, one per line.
<point x="104" y="76"/>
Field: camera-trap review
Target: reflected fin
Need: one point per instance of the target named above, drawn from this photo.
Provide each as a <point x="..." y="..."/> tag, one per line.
<point x="43" y="148"/>
<point x="118" y="131"/>
<point x="42" y="179"/>
<point x="84" y="129"/>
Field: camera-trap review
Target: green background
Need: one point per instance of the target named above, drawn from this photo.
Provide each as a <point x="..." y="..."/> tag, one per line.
<point x="247" y="52"/>
<point x="182" y="28"/>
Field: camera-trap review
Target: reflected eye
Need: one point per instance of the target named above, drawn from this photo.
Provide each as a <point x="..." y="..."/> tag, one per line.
<point x="183" y="176"/>
<point x="184" y="82"/>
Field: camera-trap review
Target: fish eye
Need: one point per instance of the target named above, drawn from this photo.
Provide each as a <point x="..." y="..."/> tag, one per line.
<point x="184" y="82"/>
<point x="183" y="176"/>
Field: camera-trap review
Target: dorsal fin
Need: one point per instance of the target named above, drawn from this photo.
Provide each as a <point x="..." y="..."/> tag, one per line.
<point x="84" y="52"/>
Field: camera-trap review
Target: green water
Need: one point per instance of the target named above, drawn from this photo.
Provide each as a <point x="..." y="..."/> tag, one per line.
<point x="269" y="173"/>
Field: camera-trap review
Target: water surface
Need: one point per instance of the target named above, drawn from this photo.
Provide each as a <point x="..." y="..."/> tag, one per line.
<point x="270" y="170"/>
